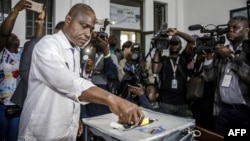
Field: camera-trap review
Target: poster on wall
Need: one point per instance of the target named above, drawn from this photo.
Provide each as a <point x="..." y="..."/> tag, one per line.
<point x="125" y="16"/>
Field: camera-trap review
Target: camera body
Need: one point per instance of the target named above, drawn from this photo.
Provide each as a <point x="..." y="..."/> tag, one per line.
<point x="136" y="55"/>
<point x="208" y="43"/>
<point x="103" y="35"/>
<point x="162" y="41"/>
<point x="216" y="37"/>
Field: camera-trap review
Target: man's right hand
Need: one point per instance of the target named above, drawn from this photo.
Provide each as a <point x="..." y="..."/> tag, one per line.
<point x="90" y="65"/>
<point x="128" y="113"/>
<point x="22" y="4"/>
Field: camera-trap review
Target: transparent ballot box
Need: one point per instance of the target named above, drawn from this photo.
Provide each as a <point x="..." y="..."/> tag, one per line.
<point x="163" y="127"/>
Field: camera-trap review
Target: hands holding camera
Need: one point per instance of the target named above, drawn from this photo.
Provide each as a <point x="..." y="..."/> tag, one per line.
<point x="137" y="90"/>
<point x="220" y="50"/>
<point x="101" y="43"/>
<point x="22" y="4"/>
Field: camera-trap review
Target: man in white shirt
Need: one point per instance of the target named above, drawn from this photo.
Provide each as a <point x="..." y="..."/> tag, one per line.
<point x="52" y="108"/>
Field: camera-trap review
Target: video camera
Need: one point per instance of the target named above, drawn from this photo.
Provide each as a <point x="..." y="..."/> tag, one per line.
<point x="102" y="34"/>
<point x="216" y="36"/>
<point x="161" y="40"/>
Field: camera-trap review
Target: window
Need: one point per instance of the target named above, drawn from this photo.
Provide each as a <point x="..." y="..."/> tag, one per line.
<point x="48" y="21"/>
<point x="126" y="15"/>
<point x="159" y="15"/>
<point x="5" y="6"/>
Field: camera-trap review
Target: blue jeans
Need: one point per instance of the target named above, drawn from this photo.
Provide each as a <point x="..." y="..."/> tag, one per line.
<point x="8" y="127"/>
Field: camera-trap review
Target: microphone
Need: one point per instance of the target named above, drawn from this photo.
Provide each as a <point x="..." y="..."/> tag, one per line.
<point x="195" y="27"/>
<point x="85" y="57"/>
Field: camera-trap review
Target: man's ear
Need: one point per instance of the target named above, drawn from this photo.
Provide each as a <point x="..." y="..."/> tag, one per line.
<point x="157" y="95"/>
<point x="67" y="20"/>
<point x="247" y="32"/>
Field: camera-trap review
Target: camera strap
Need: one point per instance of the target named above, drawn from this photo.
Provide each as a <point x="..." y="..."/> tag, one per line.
<point x="174" y="67"/>
<point x="96" y="63"/>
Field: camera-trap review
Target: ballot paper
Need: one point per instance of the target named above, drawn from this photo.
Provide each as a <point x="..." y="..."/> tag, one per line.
<point x="37" y="7"/>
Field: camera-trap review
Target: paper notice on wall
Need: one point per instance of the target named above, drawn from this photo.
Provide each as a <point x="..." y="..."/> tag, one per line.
<point x="37" y="7"/>
<point x="125" y="16"/>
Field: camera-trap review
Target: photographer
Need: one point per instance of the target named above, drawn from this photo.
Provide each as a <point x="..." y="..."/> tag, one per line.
<point x="172" y="72"/>
<point x="229" y="67"/>
<point x="134" y="69"/>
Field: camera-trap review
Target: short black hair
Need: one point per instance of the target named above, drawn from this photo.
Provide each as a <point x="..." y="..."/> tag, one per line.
<point x="127" y="44"/>
<point x="241" y="18"/>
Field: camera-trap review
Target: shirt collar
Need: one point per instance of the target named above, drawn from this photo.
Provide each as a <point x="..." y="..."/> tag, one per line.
<point x="66" y="43"/>
<point x="239" y="48"/>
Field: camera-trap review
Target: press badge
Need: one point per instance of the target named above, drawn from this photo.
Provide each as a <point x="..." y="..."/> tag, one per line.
<point x="226" y="81"/>
<point x="174" y="84"/>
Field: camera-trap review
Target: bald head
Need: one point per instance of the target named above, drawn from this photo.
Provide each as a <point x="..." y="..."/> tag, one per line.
<point x="80" y="8"/>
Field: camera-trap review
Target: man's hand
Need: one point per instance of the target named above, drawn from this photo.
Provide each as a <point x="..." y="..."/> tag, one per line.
<point x="22" y="4"/>
<point x="101" y="43"/>
<point x="41" y="15"/>
<point x="172" y="31"/>
<point x="90" y="65"/>
<point x="137" y="90"/>
<point x="80" y="128"/>
<point x="222" y="51"/>
<point x="127" y="112"/>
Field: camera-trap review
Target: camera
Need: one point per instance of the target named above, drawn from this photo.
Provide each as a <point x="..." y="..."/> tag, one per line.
<point x="136" y="55"/>
<point x="216" y="36"/>
<point x="134" y="75"/>
<point x="162" y="41"/>
<point x="102" y="34"/>
<point x="208" y="43"/>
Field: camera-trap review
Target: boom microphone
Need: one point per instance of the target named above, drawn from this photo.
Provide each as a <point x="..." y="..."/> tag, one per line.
<point x="195" y="27"/>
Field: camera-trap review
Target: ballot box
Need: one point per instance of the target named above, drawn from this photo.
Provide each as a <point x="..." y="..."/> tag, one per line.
<point x="165" y="128"/>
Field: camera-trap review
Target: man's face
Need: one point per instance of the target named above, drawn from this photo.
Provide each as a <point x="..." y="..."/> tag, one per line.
<point x="152" y="93"/>
<point x="13" y="41"/>
<point x="237" y="31"/>
<point x="80" y="27"/>
<point x="175" y="49"/>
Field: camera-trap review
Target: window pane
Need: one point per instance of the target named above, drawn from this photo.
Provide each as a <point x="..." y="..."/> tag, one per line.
<point x="5" y="6"/>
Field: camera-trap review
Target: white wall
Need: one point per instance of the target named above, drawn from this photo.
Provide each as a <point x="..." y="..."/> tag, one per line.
<point x="208" y="12"/>
<point x="180" y="13"/>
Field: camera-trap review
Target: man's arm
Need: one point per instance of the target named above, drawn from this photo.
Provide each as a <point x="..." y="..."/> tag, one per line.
<point x="8" y="24"/>
<point x="125" y="110"/>
<point x="40" y="22"/>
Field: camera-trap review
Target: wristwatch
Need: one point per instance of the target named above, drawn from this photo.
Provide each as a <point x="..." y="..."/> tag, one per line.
<point x="14" y="10"/>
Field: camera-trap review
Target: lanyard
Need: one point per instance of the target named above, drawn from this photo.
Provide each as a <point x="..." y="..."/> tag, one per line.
<point x="96" y="63"/>
<point x="174" y="67"/>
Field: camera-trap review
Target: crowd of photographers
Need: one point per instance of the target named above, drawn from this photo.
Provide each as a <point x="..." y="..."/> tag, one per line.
<point x="160" y="84"/>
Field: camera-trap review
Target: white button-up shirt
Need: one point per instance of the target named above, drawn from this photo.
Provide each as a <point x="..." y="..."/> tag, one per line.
<point x="52" y="108"/>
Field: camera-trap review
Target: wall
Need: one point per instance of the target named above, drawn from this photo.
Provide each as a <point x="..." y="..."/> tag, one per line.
<point x="208" y="12"/>
<point x="181" y="13"/>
